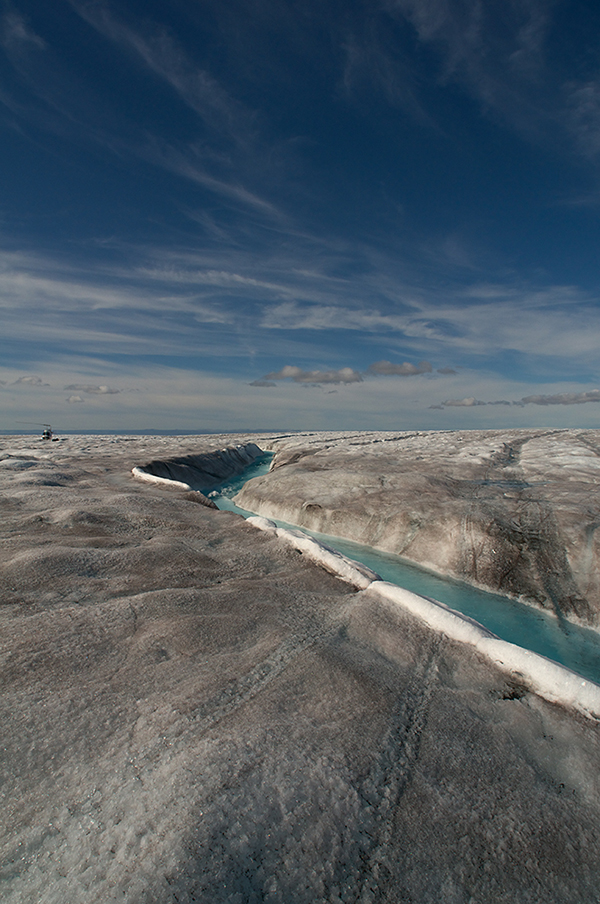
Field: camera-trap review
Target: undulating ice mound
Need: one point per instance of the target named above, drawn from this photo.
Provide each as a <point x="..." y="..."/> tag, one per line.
<point x="191" y="710"/>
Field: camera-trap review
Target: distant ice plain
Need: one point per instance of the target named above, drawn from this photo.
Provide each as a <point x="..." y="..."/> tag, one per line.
<point x="194" y="711"/>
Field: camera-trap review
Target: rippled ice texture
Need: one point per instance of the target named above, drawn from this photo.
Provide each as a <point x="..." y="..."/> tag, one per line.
<point x="192" y="711"/>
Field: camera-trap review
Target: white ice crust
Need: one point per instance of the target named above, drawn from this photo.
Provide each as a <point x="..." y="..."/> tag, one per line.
<point x="548" y="679"/>
<point x="348" y="570"/>
<point x="140" y="474"/>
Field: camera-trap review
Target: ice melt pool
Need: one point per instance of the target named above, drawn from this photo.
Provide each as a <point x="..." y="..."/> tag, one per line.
<point x="575" y="647"/>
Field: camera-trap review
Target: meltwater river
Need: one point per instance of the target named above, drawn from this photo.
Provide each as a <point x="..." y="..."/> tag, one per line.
<point x="575" y="647"/>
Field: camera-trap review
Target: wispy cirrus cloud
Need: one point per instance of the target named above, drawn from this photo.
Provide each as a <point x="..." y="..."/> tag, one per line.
<point x="225" y="153"/>
<point x="559" y="322"/>
<point x="582" y="115"/>
<point x="190" y="163"/>
<point x="502" y="54"/>
<point x="227" y="157"/>
<point x="495" y="50"/>
<point x="160" y="296"/>
<point x="15" y="32"/>
<point x="222" y="279"/>
<point x="36" y="281"/>
<point x="157" y="49"/>
<point x="555" y="321"/>
<point x="294" y="315"/>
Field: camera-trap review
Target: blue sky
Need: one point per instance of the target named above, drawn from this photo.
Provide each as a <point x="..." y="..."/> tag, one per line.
<point x="299" y="214"/>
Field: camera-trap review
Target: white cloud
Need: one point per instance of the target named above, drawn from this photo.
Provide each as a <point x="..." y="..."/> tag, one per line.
<point x="401" y="370"/>
<point x="92" y="390"/>
<point x="470" y="402"/>
<point x="30" y="381"/>
<point x="561" y="322"/>
<point x="346" y="374"/>
<point x="159" y="302"/>
<point x="221" y="278"/>
<point x="314" y="377"/>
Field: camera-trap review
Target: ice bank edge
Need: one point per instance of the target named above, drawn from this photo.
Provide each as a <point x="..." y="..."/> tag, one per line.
<point x="548" y="679"/>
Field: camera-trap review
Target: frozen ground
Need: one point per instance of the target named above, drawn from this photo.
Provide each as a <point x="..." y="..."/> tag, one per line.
<point x="194" y="711"/>
<point x="515" y="512"/>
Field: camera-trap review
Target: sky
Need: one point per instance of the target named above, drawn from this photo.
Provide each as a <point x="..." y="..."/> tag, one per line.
<point x="248" y="215"/>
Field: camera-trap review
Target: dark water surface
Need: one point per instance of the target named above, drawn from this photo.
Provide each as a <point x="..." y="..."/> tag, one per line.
<point x="575" y="647"/>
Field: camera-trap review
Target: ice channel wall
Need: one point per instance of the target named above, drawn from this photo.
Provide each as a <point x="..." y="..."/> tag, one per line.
<point x="200" y="472"/>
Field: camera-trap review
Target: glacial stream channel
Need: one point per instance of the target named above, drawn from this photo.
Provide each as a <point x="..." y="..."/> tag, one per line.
<point x="574" y="647"/>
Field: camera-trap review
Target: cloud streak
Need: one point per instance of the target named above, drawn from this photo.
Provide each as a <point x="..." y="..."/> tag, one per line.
<point x="166" y="58"/>
<point x="560" y="398"/>
<point x="225" y="152"/>
<point x="563" y="398"/>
